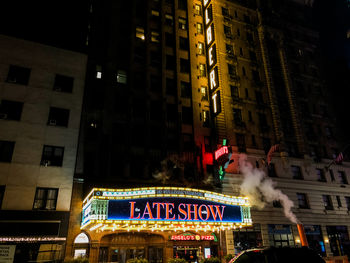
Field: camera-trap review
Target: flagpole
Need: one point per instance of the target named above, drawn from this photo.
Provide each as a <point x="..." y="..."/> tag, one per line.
<point x="333" y="161"/>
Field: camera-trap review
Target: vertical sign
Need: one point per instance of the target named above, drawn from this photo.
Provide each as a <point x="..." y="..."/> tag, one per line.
<point x="212" y="57"/>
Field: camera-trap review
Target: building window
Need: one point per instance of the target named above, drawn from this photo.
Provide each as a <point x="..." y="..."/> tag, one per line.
<point x="172" y="112"/>
<point x="234" y="91"/>
<point x="18" y="75"/>
<point x="6" y="151"/>
<point x="98" y="73"/>
<point x="169" y="20"/>
<point x="187" y="115"/>
<point x="185" y="89"/>
<point x="271" y="170"/>
<point x="140" y="33"/>
<point x="227" y="31"/>
<point x="237" y="116"/>
<point x="342" y="177"/>
<point x="224" y="11"/>
<point x="2" y="194"/>
<point x="122" y="77"/>
<point x="302" y="201"/>
<point x="240" y="142"/>
<point x="169" y="39"/>
<point x="171" y="87"/>
<point x="170" y="62"/>
<point x="204" y="93"/>
<point x="231" y="70"/>
<point x="331" y="174"/>
<point x="52" y="156"/>
<point x="202" y="70"/>
<point x="207" y="144"/>
<point x="182" y="4"/>
<point x="200" y="28"/>
<point x="338" y="201"/>
<point x="347" y="200"/>
<point x="327" y="201"/>
<point x="296" y="172"/>
<point x="229" y="50"/>
<point x="200" y="48"/>
<point x="184" y="65"/>
<point x="198" y="10"/>
<point x="205" y="114"/>
<point x="11" y="110"/>
<point x="320" y="175"/>
<point x="45" y="198"/>
<point x="183" y="43"/>
<point x="182" y="23"/>
<point x="58" y="117"/>
<point x="250" y="117"/>
<point x="63" y="83"/>
<point x="155" y="38"/>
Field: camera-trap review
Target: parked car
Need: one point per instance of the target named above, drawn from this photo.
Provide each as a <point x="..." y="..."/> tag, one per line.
<point x="278" y="255"/>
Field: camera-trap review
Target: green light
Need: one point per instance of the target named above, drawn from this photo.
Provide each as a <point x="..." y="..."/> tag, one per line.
<point x="221" y="173"/>
<point x="224" y="141"/>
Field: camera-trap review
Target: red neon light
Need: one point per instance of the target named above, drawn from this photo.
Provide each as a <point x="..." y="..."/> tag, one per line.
<point x="220" y="152"/>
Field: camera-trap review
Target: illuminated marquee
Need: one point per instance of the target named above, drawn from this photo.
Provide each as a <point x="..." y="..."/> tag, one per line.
<point x="189" y="237"/>
<point x="166" y="208"/>
<point x="212" y="59"/>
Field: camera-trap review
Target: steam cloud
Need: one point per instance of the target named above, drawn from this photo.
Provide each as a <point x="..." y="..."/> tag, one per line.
<point x="261" y="190"/>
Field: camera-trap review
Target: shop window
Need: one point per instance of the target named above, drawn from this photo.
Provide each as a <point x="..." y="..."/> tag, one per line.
<point x="327" y="202"/>
<point x="342" y="177"/>
<point x="185" y="89"/>
<point x="2" y="194"/>
<point x="302" y="201"/>
<point x="6" y="151"/>
<point x="11" y="110"/>
<point x="296" y="172"/>
<point x="246" y="238"/>
<point x="18" y="75"/>
<point x="280" y="235"/>
<point x="338" y="239"/>
<point x="64" y="83"/>
<point x="58" y="117"/>
<point x="182" y="23"/>
<point x="320" y="175"/>
<point x="200" y="48"/>
<point x="183" y="43"/>
<point x="52" y="156"/>
<point x="45" y="198"/>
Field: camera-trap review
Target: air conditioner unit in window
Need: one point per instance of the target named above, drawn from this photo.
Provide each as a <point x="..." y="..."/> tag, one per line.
<point x="3" y="116"/>
<point x="46" y="163"/>
<point x="52" y="122"/>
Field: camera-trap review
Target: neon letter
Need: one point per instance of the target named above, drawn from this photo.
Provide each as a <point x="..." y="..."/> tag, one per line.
<point x="147" y="211"/>
<point x="209" y="36"/>
<point x="132" y="208"/>
<point x="200" y="212"/>
<point x="158" y="208"/>
<point x="212" y="77"/>
<point x="182" y="211"/>
<point x="169" y="210"/>
<point x="214" y="102"/>
<point x="217" y="212"/>
<point x="211" y="60"/>
<point x="194" y="211"/>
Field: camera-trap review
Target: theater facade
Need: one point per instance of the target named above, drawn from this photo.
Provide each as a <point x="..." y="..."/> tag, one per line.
<point x="157" y="223"/>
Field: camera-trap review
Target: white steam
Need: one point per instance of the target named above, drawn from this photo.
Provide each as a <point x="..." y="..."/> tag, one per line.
<point x="261" y="189"/>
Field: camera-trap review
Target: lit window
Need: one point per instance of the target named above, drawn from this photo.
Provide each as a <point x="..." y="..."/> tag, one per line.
<point x="182" y="23"/>
<point x="98" y="72"/>
<point x="199" y="28"/>
<point x="327" y="201"/>
<point x="155" y="13"/>
<point x="82" y="238"/>
<point x="155" y="37"/>
<point x="202" y="70"/>
<point x="198" y="10"/>
<point x="206" y="118"/>
<point x="204" y="93"/>
<point x="200" y="48"/>
<point x="45" y="199"/>
<point x="169" y="20"/>
<point x="121" y="77"/>
<point x="140" y="33"/>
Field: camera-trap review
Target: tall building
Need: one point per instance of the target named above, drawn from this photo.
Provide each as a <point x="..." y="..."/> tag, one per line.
<point x="176" y="93"/>
<point x="41" y="92"/>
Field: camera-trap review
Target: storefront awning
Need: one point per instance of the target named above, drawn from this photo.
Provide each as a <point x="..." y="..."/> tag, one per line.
<point x="163" y="209"/>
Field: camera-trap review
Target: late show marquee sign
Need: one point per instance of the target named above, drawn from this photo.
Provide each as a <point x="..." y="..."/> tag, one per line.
<point x="212" y="57"/>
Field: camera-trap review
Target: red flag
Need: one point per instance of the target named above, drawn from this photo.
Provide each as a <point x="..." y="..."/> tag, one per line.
<point x="270" y="153"/>
<point x="339" y="158"/>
